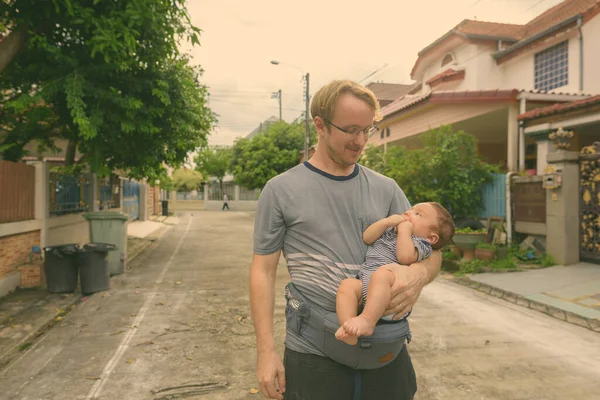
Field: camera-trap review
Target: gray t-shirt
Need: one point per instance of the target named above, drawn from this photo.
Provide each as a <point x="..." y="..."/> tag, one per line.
<point x="318" y="220"/>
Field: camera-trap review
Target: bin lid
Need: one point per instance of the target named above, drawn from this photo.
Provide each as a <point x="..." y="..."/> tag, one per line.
<point x="106" y="215"/>
<point x="100" y="247"/>
<point x="64" y="248"/>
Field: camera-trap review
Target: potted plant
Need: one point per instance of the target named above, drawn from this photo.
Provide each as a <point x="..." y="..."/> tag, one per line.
<point x="467" y="239"/>
<point x="485" y="251"/>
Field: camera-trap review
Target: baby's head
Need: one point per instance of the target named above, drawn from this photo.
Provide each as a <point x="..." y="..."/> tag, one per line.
<point x="432" y="222"/>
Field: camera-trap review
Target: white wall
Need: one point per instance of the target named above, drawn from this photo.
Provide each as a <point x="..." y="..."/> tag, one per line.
<point x="591" y="56"/>
<point x="464" y="55"/>
<point x="519" y="72"/>
<point x="483" y="73"/>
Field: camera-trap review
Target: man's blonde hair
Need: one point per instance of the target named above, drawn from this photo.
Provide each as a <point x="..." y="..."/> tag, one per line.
<point x="325" y="100"/>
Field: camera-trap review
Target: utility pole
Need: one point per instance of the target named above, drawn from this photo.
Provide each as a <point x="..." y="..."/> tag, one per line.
<point x="279" y="96"/>
<point x="306" y="119"/>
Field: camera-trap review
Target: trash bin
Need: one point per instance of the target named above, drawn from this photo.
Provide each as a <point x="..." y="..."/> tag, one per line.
<point x="110" y="227"/>
<point x="165" y="208"/>
<point x="93" y="267"/>
<point x="60" y="268"/>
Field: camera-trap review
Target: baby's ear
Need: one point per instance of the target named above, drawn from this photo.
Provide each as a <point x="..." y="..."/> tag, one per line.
<point x="433" y="238"/>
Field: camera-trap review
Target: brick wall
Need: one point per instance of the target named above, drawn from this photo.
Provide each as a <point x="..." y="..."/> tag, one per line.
<point x="15" y="249"/>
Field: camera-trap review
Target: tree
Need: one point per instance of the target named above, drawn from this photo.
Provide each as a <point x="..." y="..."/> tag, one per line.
<point x="105" y="75"/>
<point x="447" y="169"/>
<point x="185" y="179"/>
<point x="259" y="159"/>
<point x="214" y="161"/>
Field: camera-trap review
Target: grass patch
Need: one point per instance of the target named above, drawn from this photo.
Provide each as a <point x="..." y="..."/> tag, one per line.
<point x="25" y="346"/>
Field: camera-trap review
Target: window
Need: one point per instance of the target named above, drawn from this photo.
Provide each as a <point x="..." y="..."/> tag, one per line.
<point x="552" y="67"/>
<point x="447" y="59"/>
<point x="387" y="132"/>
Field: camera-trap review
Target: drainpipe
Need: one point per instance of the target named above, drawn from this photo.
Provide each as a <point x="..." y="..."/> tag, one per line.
<point x="579" y="25"/>
<point x="522" y="109"/>
<point x="509" y="175"/>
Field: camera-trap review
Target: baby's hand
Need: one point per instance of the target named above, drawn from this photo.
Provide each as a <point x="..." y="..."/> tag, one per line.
<point x="406" y="224"/>
<point x="394" y="220"/>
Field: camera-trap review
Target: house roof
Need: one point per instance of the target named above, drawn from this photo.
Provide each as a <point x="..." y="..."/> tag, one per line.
<point x="516" y="34"/>
<point x="557" y="14"/>
<point x="559" y="108"/>
<point x="557" y="18"/>
<point x="466" y="96"/>
<point x="389" y="91"/>
<point x="490" y="29"/>
<point x="448" y="75"/>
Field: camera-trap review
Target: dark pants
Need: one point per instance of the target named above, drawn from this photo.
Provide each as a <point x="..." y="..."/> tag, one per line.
<point x="310" y="377"/>
<point x="225" y="205"/>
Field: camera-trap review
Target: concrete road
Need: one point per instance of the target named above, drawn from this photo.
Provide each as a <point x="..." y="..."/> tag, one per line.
<point x="180" y="318"/>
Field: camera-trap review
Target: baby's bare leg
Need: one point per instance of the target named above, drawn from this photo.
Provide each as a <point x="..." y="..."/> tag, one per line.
<point x="348" y="297"/>
<point x="379" y="293"/>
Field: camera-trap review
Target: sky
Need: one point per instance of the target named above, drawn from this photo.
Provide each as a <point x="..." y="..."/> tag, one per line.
<point x="329" y="39"/>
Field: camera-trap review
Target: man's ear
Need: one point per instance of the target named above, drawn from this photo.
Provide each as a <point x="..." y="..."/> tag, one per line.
<point x="320" y="125"/>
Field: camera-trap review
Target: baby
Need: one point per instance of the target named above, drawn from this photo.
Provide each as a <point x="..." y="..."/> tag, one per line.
<point x="404" y="239"/>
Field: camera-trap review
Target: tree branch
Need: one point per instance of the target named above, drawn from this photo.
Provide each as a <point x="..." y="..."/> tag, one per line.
<point x="10" y="46"/>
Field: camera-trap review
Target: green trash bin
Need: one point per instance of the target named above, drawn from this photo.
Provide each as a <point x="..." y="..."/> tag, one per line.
<point x="110" y="227"/>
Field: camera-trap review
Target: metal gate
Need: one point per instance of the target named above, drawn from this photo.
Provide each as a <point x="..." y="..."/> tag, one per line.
<point x="131" y="199"/>
<point x="589" y="164"/>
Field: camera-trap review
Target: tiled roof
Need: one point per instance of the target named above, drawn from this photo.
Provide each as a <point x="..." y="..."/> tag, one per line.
<point x="559" y="108"/>
<point x="446" y="76"/>
<point x="557" y="14"/>
<point x="448" y="96"/>
<point x="389" y="91"/>
<point x="463" y="96"/>
<point x="495" y="29"/>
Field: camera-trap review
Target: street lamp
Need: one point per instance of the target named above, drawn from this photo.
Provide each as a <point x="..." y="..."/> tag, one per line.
<point x="307" y="101"/>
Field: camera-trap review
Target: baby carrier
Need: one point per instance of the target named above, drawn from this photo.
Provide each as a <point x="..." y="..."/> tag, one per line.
<point x="318" y="326"/>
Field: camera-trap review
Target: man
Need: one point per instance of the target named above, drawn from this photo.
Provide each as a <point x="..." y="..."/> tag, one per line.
<point x="225" y="202"/>
<point x="316" y="212"/>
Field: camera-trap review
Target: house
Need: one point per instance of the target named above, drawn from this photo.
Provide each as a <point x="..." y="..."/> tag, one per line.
<point x="388" y="92"/>
<point x="480" y="76"/>
<point x="262" y="127"/>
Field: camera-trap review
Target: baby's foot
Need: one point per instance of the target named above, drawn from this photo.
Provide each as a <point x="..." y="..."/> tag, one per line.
<point x="358" y="326"/>
<point x="343" y="335"/>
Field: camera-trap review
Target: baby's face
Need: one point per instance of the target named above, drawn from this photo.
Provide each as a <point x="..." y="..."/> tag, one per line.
<point x="423" y="216"/>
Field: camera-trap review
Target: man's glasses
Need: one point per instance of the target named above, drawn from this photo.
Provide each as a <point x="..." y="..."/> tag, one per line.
<point x="354" y="131"/>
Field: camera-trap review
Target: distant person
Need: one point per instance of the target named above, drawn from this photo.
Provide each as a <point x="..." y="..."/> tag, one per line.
<point x="225" y="200"/>
<point x="404" y="239"/>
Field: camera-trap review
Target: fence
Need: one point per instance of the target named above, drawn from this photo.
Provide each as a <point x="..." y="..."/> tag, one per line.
<point x="17" y="192"/>
<point x="109" y="193"/>
<point x="216" y="194"/>
<point x="193" y="195"/>
<point x="69" y="194"/>
<point x="529" y="200"/>
<point x="494" y="198"/>
<point x="247" y="194"/>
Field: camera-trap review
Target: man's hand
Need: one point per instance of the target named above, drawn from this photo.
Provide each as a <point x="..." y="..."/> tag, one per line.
<point x="406" y="289"/>
<point x="271" y="375"/>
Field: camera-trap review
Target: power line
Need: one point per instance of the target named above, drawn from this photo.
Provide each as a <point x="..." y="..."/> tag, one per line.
<point x="373" y="73"/>
<point x="253" y="105"/>
<point x="535" y="5"/>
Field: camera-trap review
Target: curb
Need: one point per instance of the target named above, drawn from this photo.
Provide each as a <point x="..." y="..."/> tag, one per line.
<point x="592" y="324"/>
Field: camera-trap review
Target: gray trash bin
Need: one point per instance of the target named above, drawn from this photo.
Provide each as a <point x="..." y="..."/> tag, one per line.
<point x="110" y="227"/>
<point x="60" y="268"/>
<point x="93" y="267"/>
